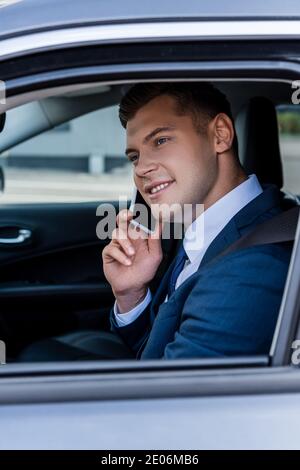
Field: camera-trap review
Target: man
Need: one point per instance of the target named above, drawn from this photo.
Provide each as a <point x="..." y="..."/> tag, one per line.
<point x="183" y="135"/>
<point x="182" y="145"/>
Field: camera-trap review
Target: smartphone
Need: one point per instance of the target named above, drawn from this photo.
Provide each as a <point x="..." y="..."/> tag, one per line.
<point x="144" y="220"/>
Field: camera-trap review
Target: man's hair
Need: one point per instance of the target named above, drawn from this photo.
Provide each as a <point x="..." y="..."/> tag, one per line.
<point x="201" y="100"/>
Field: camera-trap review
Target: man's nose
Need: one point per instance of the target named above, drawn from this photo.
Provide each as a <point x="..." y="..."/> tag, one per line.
<point x="145" y="165"/>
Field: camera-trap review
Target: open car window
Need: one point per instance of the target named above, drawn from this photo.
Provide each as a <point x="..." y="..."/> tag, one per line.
<point x="80" y="160"/>
<point x="58" y="160"/>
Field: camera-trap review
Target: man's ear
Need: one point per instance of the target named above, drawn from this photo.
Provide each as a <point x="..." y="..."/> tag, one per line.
<point x="223" y="133"/>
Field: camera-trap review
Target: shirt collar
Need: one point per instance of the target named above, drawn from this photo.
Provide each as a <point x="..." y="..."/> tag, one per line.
<point x="209" y="224"/>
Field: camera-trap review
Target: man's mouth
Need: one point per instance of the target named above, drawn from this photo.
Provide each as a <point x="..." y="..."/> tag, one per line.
<point x="159" y="188"/>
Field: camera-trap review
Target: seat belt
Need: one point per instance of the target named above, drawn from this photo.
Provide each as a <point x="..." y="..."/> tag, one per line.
<point x="279" y="229"/>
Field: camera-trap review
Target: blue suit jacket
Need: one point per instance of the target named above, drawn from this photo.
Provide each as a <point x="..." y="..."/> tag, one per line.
<point x="227" y="307"/>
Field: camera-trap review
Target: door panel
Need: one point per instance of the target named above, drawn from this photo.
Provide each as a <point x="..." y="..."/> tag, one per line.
<point x="55" y="281"/>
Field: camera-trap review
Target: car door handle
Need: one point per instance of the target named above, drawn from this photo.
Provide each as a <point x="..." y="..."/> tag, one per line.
<point x="23" y="236"/>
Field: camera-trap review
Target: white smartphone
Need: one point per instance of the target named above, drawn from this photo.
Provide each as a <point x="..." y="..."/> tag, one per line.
<point x="145" y="221"/>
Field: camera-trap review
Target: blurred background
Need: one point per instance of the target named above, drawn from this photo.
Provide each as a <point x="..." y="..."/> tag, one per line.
<point x="75" y="161"/>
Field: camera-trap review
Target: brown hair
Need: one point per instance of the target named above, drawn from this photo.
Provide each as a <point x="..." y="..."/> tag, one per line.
<point x="201" y="99"/>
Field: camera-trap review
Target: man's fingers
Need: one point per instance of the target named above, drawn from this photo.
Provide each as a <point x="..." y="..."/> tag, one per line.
<point x="122" y="239"/>
<point x="136" y="233"/>
<point x="123" y="219"/>
<point x="114" y="253"/>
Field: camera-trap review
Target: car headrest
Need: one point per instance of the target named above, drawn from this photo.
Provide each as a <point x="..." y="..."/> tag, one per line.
<point x="2" y="121"/>
<point x="257" y="131"/>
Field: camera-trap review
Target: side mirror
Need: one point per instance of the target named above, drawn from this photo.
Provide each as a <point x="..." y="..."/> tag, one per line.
<point x="2" y="180"/>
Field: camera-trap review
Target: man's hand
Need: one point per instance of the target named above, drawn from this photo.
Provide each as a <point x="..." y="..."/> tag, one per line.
<point x="130" y="261"/>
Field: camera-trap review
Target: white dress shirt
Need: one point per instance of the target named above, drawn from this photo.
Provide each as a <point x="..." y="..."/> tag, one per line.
<point x="199" y="235"/>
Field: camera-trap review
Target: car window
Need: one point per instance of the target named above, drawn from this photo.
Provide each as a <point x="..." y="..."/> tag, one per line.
<point x="289" y="140"/>
<point x="79" y="160"/>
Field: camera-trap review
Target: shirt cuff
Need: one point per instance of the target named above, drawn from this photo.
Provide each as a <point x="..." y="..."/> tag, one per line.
<point x="126" y="318"/>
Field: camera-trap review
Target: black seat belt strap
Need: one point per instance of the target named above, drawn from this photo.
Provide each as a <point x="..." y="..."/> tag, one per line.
<point x="279" y="229"/>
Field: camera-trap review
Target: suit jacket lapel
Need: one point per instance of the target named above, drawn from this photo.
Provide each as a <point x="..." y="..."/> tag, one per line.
<point x="226" y="237"/>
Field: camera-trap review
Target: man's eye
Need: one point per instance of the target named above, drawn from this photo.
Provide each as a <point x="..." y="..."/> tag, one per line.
<point x="132" y="158"/>
<point x="161" y="141"/>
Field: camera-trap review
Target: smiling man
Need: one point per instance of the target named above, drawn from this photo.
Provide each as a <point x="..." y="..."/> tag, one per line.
<point x="182" y="145"/>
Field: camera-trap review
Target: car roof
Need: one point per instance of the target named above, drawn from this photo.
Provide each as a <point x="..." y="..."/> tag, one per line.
<point x="19" y="17"/>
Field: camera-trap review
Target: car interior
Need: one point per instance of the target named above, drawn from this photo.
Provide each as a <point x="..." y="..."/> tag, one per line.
<point x="53" y="283"/>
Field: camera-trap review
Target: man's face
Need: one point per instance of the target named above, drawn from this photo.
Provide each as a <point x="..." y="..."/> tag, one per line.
<point x="165" y="148"/>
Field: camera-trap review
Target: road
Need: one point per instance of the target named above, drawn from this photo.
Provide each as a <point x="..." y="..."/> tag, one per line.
<point x="33" y="186"/>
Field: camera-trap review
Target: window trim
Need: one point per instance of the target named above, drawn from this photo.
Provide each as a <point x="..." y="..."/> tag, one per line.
<point x="288" y="318"/>
<point x="146" y="384"/>
<point x="246" y="70"/>
<point x="131" y="32"/>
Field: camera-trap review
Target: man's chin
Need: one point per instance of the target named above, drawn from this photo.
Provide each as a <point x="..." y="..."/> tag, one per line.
<point x="181" y="213"/>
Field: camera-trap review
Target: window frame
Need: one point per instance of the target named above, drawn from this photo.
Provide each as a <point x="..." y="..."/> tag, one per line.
<point x="34" y="85"/>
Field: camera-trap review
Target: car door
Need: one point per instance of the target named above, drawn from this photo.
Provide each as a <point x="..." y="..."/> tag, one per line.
<point x="219" y="403"/>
